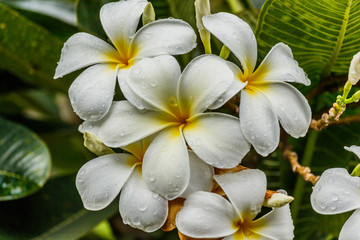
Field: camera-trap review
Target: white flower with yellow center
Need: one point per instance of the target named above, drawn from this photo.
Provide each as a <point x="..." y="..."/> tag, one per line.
<point x="265" y="97"/>
<point x="91" y="94"/>
<point x="208" y="215"/>
<point x="178" y="102"/>
<point x="100" y="180"/>
<point x="338" y="192"/>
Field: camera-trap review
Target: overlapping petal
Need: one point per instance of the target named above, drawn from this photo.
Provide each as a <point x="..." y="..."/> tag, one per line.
<point x="141" y="208"/>
<point x="92" y="91"/>
<point x="217" y="139"/>
<point x="290" y="106"/>
<point x="336" y="192"/>
<point x="120" y="20"/>
<point x="245" y="190"/>
<point x="166" y="164"/>
<point x="259" y="121"/>
<point x="206" y="215"/>
<point x="125" y="124"/>
<point x="164" y="36"/>
<point x="354" y="149"/>
<point x="280" y="66"/>
<point x="155" y="80"/>
<point x="99" y="181"/>
<point x="351" y="230"/>
<point x="200" y="87"/>
<point x="235" y="34"/>
<point x="82" y="50"/>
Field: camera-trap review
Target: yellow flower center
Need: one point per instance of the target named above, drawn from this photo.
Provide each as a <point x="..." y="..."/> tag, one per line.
<point x="244" y="230"/>
<point x="125" y="55"/>
<point x="254" y="80"/>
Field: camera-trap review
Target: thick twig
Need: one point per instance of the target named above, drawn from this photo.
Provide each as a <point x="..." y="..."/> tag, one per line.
<point x="328" y="118"/>
<point x="305" y="172"/>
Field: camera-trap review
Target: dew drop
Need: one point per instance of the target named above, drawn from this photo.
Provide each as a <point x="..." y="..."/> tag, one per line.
<point x="153" y="83"/>
<point x="335" y="197"/>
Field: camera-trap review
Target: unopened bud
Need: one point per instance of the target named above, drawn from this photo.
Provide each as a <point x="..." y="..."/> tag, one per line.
<point x="354" y="70"/>
<point x="202" y="8"/>
<point x="95" y="145"/>
<point x="278" y="200"/>
<point x="148" y="14"/>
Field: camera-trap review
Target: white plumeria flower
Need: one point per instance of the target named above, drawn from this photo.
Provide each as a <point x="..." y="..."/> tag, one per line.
<point x="92" y="91"/>
<point x="100" y="180"/>
<point x="338" y="192"/>
<point x="208" y="215"/>
<point x="354" y="70"/>
<point x="265" y="97"/>
<point x="178" y="103"/>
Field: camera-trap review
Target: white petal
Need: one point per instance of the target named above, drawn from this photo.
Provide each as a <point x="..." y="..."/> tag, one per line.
<point x="99" y="181"/>
<point x="90" y="126"/>
<point x="82" y="50"/>
<point x="235" y="34"/>
<point x="201" y="176"/>
<point x="245" y="190"/>
<point x="354" y="149"/>
<point x="290" y="106"/>
<point x="217" y="139"/>
<point x="336" y="192"/>
<point x="259" y="122"/>
<point x="125" y="124"/>
<point x="351" y="230"/>
<point x="206" y="215"/>
<point x="92" y="92"/>
<point x="277" y="224"/>
<point x="141" y="208"/>
<point x="280" y="65"/>
<point x="234" y="88"/>
<point x="165" y="36"/>
<point x="354" y="69"/>
<point x="120" y="20"/>
<point x="166" y="168"/>
<point x="155" y="80"/>
<point x="202" y="82"/>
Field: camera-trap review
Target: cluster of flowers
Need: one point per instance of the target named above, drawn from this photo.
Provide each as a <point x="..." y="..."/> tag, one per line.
<point x="167" y="125"/>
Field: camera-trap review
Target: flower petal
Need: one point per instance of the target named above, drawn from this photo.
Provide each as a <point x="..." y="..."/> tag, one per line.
<point x="354" y="149"/>
<point x="82" y="50"/>
<point x="202" y="82"/>
<point x="217" y="139"/>
<point x="235" y="34"/>
<point x="206" y="215"/>
<point x="120" y="20"/>
<point x="351" y="230"/>
<point x="166" y="168"/>
<point x="141" y="208"/>
<point x="336" y="192"/>
<point x="92" y="91"/>
<point x="155" y="80"/>
<point x="165" y="36"/>
<point x="125" y="124"/>
<point x="99" y="181"/>
<point x="259" y="122"/>
<point x="280" y="65"/>
<point x="245" y="190"/>
<point x="290" y="106"/>
<point x="277" y="224"/>
<point x="201" y="176"/>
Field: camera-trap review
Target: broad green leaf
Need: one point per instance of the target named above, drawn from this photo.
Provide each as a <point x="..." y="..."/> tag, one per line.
<point x="29" y="51"/>
<point x="183" y="9"/>
<point x="322" y="34"/>
<point x="24" y="161"/>
<point x="55" y="212"/>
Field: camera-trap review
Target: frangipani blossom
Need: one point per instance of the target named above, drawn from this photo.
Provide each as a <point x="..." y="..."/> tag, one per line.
<point x="266" y="98"/>
<point x="337" y="192"/>
<point x="178" y="102"/>
<point x="91" y="93"/>
<point x="100" y="180"/>
<point x="208" y="215"/>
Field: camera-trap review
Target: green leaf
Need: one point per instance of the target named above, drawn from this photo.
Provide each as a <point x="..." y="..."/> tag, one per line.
<point x="55" y="212"/>
<point x="29" y="51"/>
<point x="24" y="161"/>
<point x="323" y="35"/>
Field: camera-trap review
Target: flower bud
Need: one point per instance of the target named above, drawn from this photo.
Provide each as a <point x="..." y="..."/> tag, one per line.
<point x="278" y="200"/>
<point x="354" y="70"/>
<point x="202" y="8"/>
<point x="95" y="145"/>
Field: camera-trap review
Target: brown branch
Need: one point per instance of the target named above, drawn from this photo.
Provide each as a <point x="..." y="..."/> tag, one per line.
<point x="328" y="118"/>
<point x="305" y="172"/>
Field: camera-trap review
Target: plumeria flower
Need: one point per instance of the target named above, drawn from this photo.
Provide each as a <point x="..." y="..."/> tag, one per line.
<point x="266" y="98"/>
<point x="338" y="192"/>
<point x="91" y="93"/>
<point x="100" y="180"/>
<point x="178" y="102"/>
<point x="208" y="215"/>
<point x="354" y="70"/>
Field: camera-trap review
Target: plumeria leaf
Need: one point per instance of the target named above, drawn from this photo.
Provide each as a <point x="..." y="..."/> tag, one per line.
<point x="322" y="46"/>
<point x="24" y="161"/>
